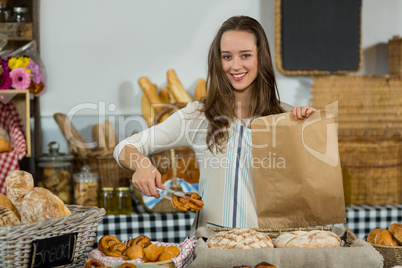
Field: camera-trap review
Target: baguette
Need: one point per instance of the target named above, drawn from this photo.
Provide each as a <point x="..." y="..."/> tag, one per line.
<point x="77" y="143"/>
<point x="98" y="136"/>
<point x="150" y="91"/>
<point x="146" y="109"/>
<point x="176" y="88"/>
<point x="110" y="136"/>
<point x="165" y="95"/>
<point x="200" y="90"/>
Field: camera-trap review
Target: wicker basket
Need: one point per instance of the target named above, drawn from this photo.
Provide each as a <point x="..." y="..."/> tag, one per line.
<point x="367" y="105"/>
<point x="392" y="255"/>
<point x="16" y="241"/>
<point x="395" y="55"/>
<point x="274" y="233"/>
<point x="373" y="171"/>
<point x="104" y="164"/>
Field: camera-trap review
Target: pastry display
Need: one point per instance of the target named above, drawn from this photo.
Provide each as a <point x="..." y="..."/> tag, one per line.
<point x="192" y="203"/>
<point x="239" y="239"/>
<point x="138" y="247"/>
<point x="307" y="239"/>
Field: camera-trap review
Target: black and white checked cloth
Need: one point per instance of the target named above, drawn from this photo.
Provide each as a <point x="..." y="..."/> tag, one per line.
<point x="175" y="227"/>
<point x="164" y="227"/>
<point x="363" y="219"/>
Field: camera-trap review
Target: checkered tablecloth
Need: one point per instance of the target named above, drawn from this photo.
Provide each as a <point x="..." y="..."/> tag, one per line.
<point x="175" y="227"/>
<point x="164" y="227"/>
<point x="363" y="219"/>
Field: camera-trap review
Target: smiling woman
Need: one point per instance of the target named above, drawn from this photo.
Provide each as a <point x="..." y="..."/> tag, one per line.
<point x="241" y="85"/>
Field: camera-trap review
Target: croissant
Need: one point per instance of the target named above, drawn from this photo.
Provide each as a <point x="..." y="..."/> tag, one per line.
<point x="192" y="203"/>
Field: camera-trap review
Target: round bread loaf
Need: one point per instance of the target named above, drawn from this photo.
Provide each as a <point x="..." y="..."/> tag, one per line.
<point x="8" y="218"/>
<point x="385" y="238"/>
<point x="396" y="231"/>
<point x="38" y="205"/>
<point x="6" y="203"/>
<point x="372" y="234"/>
<point x="18" y="183"/>
<point x="307" y="239"/>
<point x="239" y="239"/>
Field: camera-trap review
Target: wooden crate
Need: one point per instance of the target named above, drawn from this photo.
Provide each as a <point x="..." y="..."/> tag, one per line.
<point x="395" y="55"/>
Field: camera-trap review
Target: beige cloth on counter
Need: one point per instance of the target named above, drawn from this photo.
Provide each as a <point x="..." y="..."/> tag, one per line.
<point x="359" y="254"/>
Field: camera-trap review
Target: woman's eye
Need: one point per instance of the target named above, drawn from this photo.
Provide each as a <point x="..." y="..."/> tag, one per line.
<point x="246" y="55"/>
<point x="226" y="57"/>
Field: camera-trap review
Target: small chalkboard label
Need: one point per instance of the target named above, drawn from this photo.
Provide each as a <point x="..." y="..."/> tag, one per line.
<point x="53" y="251"/>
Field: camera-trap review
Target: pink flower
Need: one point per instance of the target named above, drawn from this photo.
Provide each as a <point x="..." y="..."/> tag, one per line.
<point x="21" y="79"/>
<point x="5" y="81"/>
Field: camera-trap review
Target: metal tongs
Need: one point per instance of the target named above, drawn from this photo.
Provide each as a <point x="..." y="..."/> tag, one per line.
<point x="178" y="193"/>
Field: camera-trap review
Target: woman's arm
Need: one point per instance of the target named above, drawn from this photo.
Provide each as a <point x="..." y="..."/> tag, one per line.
<point x="146" y="175"/>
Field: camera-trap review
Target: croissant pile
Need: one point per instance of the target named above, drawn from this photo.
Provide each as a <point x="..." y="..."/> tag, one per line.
<point x="140" y="247"/>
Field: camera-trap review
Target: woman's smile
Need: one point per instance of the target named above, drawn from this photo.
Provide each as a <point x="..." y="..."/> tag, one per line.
<point x="239" y="58"/>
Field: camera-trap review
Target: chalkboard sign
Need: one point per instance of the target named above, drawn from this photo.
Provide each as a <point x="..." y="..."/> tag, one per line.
<point x="317" y="36"/>
<point x="53" y="251"/>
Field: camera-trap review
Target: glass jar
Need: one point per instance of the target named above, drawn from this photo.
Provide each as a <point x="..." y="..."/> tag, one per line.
<point x="21" y="14"/>
<point x="124" y="200"/>
<point x="107" y="200"/>
<point x="86" y="188"/>
<point x="54" y="172"/>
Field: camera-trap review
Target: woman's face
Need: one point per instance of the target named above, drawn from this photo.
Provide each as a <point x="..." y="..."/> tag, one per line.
<point x="239" y="58"/>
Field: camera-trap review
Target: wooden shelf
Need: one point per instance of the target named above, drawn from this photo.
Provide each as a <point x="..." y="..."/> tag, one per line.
<point x="21" y="100"/>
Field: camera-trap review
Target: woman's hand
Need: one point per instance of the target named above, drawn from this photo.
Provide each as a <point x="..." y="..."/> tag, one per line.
<point x="146" y="177"/>
<point x="302" y="112"/>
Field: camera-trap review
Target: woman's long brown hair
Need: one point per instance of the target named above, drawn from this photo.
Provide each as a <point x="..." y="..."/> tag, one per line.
<point x="219" y="102"/>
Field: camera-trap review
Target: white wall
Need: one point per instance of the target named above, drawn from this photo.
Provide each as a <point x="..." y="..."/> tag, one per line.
<point x="95" y="51"/>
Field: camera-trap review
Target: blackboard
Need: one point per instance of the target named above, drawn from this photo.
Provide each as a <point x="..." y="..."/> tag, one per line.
<point x="317" y="36"/>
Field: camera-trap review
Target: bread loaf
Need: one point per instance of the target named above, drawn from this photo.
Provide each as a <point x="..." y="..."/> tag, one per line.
<point x="165" y="95"/>
<point x="396" y="231"/>
<point x="110" y="136"/>
<point x="372" y="234"/>
<point x="307" y="239"/>
<point x="242" y="238"/>
<point x="200" y="90"/>
<point x="8" y="218"/>
<point x="40" y="204"/>
<point x="385" y="238"/>
<point x="98" y="136"/>
<point x="18" y="184"/>
<point x="76" y="142"/>
<point x="5" y="202"/>
<point x="176" y="88"/>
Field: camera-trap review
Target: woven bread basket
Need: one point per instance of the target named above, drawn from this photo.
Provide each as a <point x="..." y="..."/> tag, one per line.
<point x="273" y="233"/>
<point x="16" y="242"/>
<point x="392" y="255"/>
<point x="168" y="160"/>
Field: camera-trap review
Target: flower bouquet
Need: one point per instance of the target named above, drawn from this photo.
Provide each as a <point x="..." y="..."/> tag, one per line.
<point x="22" y="70"/>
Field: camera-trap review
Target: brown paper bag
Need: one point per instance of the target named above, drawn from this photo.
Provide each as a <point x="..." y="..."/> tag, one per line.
<point x="298" y="177"/>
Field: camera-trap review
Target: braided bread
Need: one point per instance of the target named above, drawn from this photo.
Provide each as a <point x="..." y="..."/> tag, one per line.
<point x="192" y="203"/>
